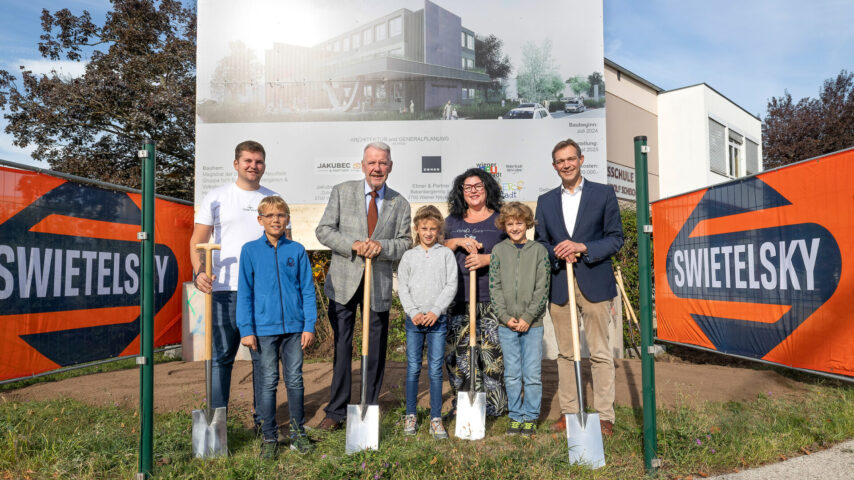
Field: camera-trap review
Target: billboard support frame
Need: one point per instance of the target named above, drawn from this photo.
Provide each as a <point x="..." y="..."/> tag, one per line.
<point x="146" y="338"/>
<point x="650" y="435"/>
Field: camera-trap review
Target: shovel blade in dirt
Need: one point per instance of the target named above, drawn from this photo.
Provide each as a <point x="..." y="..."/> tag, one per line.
<point x="584" y="437"/>
<point x="363" y="428"/>
<point x="471" y="416"/>
<point x="210" y="438"/>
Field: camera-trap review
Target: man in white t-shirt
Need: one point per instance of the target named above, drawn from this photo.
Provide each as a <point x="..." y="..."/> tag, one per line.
<point x="228" y="216"/>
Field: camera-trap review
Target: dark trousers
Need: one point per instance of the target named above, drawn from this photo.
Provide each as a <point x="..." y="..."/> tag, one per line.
<point x="342" y="317"/>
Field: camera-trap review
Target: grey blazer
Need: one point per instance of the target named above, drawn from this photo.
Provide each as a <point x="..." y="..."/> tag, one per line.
<point x="345" y="221"/>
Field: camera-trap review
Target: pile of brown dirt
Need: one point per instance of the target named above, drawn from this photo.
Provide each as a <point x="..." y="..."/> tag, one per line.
<point x="180" y="386"/>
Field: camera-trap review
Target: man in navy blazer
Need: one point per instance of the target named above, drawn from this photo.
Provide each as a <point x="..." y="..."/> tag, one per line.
<point x="581" y="217"/>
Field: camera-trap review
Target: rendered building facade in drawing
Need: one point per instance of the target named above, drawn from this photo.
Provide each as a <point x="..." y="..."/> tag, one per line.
<point x="403" y="61"/>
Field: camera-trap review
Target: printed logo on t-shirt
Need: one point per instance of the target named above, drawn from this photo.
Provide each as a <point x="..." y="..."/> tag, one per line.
<point x="291" y="261"/>
<point x="249" y="208"/>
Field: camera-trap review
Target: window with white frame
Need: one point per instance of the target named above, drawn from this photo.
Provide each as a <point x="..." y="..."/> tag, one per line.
<point x="470" y="42"/>
<point x="395" y="26"/>
<point x="345" y="45"/>
<point x="463" y="39"/>
<point x="735" y="155"/>
<point x="337" y="46"/>
<point x="380" y="32"/>
<point x="367" y="36"/>
<point x="463" y="66"/>
<point x="717" y="147"/>
<point x="356" y="41"/>
<point x="752" y="157"/>
<point x="465" y="94"/>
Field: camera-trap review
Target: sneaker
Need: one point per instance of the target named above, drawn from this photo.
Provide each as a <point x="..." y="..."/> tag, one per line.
<point x="301" y="444"/>
<point x="514" y="428"/>
<point x="437" y="429"/>
<point x="410" y="426"/>
<point x="528" y="429"/>
<point x="269" y="450"/>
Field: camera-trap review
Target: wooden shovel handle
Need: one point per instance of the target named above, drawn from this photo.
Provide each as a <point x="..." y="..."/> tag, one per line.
<point x="573" y="312"/>
<point x="366" y="306"/>
<point x="208" y="248"/>
<point x="472" y="307"/>
<point x="626" y="302"/>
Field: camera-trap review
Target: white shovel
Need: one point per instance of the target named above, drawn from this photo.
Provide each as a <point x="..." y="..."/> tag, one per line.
<point x="363" y="421"/>
<point x="471" y="405"/>
<point x="209" y="425"/>
<point x="583" y="432"/>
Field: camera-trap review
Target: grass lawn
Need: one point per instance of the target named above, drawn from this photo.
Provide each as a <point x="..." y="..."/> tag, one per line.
<point x="68" y="439"/>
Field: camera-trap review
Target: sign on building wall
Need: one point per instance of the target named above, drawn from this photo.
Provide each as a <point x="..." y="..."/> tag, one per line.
<point x="70" y="272"/>
<point x="622" y="179"/>
<point x="762" y="267"/>
<point x="314" y="82"/>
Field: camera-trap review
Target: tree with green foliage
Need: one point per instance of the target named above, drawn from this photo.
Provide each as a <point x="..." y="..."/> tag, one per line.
<point x="139" y="82"/>
<point x="236" y="73"/>
<point x="595" y="79"/>
<point x="811" y="127"/>
<point x="489" y="56"/>
<point x="538" y="78"/>
<point x="578" y="84"/>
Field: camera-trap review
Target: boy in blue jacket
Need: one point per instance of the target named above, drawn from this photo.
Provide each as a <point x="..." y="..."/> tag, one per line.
<point x="276" y="312"/>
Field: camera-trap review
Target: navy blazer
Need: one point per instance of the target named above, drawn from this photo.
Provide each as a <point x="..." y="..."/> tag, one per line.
<point x="597" y="225"/>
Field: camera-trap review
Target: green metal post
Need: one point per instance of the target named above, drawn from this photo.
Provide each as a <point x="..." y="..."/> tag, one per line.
<point x="146" y="336"/>
<point x="650" y="442"/>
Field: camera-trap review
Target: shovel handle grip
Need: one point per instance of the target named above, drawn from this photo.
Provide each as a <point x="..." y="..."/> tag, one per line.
<point x="366" y="306"/>
<point x="573" y="311"/>
<point x="472" y="307"/>
<point x="208" y="248"/>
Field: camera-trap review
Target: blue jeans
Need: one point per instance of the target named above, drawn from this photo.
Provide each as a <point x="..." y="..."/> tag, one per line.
<point x="265" y="362"/>
<point x="523" y="356"/>
<point x="415" y="339"/>
<point x="225" y="342"/>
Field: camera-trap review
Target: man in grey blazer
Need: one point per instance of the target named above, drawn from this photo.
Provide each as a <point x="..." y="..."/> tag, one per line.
<point x="363" y="219"/>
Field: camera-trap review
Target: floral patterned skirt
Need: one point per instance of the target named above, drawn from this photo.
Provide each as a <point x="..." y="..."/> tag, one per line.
<point x="489" y="361"/>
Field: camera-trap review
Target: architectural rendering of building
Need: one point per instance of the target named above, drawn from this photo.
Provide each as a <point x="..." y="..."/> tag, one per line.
<point x="402" y="61"/>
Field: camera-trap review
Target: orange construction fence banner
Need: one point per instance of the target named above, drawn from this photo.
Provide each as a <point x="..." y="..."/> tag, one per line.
<point x="762" y="266"/>
<point x="70" y="276"/>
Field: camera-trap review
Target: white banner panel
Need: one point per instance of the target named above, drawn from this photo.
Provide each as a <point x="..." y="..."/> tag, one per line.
<point x="314" y="81"/>
<point x="622" y="179"/>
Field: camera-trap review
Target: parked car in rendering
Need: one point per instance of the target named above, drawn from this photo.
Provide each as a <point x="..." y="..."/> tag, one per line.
<point x="526" y="113"/>
<point x="574" y="105"/>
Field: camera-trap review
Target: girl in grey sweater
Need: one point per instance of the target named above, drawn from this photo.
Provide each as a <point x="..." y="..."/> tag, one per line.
<point x="427" y="282"/>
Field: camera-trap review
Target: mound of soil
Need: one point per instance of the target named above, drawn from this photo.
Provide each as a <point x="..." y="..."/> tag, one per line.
<point x="180" y="386"/>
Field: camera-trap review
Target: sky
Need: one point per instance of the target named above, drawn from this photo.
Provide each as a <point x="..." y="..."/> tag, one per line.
<point x="749" y="50"/>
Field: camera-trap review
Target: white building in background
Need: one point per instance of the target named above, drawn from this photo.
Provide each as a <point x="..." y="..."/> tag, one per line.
<point x="704" y="139"/>
<point x="697" y="137"/>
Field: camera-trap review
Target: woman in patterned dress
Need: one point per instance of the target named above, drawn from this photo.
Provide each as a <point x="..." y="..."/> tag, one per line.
<point x="473" y="203"/>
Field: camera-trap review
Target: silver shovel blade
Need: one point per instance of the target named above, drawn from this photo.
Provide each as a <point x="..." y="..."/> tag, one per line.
<point x="584" y="437"/>
<point x="210" y="439"/>
<point x="471" y="416"/>
<point x="363" y="432"/>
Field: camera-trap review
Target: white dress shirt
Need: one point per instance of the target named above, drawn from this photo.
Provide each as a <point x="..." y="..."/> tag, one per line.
<point x="570" y="202"/>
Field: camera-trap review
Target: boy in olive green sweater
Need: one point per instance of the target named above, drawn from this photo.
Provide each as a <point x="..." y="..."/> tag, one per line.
<point x="519" y="290"/>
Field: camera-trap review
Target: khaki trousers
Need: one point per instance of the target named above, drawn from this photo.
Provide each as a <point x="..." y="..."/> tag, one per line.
<point x="595" y="316"/>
